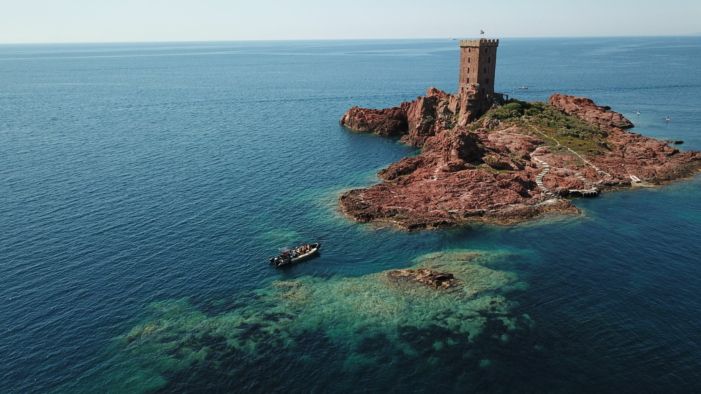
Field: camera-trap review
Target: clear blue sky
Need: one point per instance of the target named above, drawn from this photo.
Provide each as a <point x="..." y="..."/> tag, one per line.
<point x="23" y="21"/>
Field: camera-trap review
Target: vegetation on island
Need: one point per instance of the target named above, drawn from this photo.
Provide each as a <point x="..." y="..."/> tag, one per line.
<point x="562" y="130"/>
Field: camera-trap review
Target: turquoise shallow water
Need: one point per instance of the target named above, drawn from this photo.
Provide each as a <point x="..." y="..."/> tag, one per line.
<point x="144" y="186"/>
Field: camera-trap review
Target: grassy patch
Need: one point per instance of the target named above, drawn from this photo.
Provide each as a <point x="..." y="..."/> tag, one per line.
<point x="570" y="131"/>
<point x="515" y="109"/>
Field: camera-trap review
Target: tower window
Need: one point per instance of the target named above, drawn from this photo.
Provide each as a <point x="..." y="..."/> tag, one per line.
<point x="489" y="59"/>
<point x="487" y="80"/>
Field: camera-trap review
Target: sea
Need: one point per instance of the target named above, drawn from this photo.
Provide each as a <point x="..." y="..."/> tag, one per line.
<point x="143" y="188"/>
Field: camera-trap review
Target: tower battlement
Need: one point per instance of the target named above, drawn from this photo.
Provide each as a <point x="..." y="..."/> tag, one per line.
<point x="482" y="42"/>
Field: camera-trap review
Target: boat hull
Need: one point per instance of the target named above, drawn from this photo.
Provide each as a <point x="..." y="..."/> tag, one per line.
<point x="283" y="261"/>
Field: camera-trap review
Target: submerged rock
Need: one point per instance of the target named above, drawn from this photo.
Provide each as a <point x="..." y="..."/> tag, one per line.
<point x="366" y="318"/>
<point x="425" y="276"/>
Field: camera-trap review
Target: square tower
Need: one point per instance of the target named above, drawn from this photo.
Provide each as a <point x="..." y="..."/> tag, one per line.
<point x="478" y="60"/>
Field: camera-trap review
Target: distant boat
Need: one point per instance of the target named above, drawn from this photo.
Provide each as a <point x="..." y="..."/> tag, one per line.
<point x="637" y="113"/>
<point x="524" y="87"/>
<point x="667" y="119"/>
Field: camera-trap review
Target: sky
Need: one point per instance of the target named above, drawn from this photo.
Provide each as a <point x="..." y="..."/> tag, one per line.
<point x="45" y="21"/>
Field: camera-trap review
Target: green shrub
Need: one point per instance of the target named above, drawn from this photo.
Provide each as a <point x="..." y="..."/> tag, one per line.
<point x="533" y="111"/>
<point x="512" y="109"/>
<point x="514" y="106"/>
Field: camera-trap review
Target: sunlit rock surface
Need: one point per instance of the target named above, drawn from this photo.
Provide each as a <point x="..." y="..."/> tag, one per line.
<point x="517" y="162"/>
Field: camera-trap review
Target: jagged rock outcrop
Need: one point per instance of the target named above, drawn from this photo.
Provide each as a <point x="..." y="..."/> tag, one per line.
<point x="385" y="122"/>
<point x="588" y="111"/>
<point x="414" y="121"/>
<point x="651" y="160"/>
<point x="506" y="167"/>
<point x="425" y="277"/>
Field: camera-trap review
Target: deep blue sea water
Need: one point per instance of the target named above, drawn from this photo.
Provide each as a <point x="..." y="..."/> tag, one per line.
<point x="144" y="186"/>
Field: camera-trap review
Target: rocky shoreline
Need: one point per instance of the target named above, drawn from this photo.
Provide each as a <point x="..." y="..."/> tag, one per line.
<point x="517" y="162"/>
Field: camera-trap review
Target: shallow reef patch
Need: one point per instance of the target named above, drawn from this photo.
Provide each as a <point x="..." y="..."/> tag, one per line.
<point x="366" y="322"/>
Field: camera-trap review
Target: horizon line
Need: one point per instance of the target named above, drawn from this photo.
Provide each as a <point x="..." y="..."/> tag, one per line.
<point x="337" y="39"/>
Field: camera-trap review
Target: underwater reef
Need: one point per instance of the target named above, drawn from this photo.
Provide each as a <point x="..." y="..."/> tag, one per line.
<point x="365" y="322"/>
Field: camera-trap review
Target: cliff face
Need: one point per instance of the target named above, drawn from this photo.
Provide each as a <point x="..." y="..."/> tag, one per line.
<point x="515" y="163"/>
<point x="416" y="120"/>
<point x="385" y="122"/>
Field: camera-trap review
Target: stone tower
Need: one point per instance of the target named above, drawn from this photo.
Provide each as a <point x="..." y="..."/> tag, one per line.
<point x="478" y="60"/>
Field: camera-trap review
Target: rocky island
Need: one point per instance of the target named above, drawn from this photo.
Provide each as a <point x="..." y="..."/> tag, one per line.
<point x="487" y="158"/>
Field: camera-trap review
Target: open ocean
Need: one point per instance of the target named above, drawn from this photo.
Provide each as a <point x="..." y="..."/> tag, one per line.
<point x="144" y="186"/>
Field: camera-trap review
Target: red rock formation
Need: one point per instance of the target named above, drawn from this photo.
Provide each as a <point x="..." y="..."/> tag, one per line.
<point x="385" y="122"/>
<point x="449" y="184"/>
<point x="649" y="159"/>
<point x="416" y="120"/>
<point x="490" y="171"/>
<point x="586" y="110"/>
